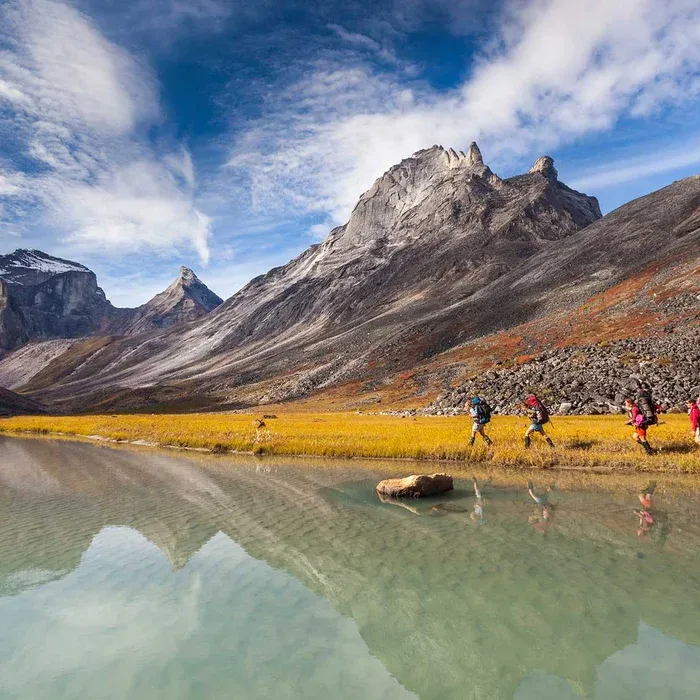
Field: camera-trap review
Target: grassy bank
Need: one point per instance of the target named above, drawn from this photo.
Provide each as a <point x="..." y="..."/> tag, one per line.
<point x="586" y="442"/>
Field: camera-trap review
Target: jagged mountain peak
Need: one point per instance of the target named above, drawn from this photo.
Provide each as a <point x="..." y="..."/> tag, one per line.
<point x="545" y="166"/>
<point x="188" y="284"/>
<point x="439" y="158"/>
<point x="474" y="156"/>
<point x="186" y="299"/>
<point x="187" y="276"/>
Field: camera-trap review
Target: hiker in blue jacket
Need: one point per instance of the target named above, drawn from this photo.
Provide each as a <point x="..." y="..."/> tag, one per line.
<point x="480" y="412"/>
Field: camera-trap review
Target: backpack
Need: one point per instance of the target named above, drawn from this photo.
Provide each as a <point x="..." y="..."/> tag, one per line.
<point x="648" y="408"/>
<point x="542" y="413"/>
<point x="640" y="421"/>
<point x="483" y="411"/>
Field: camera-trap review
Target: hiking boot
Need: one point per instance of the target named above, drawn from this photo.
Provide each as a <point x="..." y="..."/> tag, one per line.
<point x="488" y="441"/>
<point x="527" y="441"/>
<point x="549" y="442"/>
<point x="647" y="448"/>
<point x="471" y="441"/>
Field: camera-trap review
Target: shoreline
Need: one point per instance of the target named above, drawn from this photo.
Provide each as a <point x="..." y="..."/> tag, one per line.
<point x="480" y="461"/>
<point x="563" y="478"/>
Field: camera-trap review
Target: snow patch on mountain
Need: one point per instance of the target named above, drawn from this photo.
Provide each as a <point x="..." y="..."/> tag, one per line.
<point x="37" y="261"/>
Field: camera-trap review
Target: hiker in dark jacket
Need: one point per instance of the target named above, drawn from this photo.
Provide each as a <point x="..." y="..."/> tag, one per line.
<point x="538" y="415"/>
<point x="480" y="412"/>
<point x="639" y="421"/>
<point x="694" y="415"/>
<point x="647" y="405"/>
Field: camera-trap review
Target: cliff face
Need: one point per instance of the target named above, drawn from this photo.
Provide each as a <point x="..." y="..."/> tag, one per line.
<point x="43" y="297"/>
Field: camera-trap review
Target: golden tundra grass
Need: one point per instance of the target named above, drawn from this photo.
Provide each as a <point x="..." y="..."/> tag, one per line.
<point x="583" y="442"/>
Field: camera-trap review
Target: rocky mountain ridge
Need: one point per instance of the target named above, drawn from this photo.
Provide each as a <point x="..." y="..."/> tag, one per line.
<point x="592" y="379"/>
<point x="438" y="224"/>
<point x="43" y="297"/>
<point x="439" y="256"/>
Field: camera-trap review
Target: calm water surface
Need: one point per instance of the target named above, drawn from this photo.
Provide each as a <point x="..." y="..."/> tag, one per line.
<point x="142" y="575"/>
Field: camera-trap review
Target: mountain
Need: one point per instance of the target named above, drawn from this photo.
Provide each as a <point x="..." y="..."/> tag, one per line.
<point x="43" y="297"/>
<point x="443" y="270"/>
<point x="186" y="299"/>
<point x="431" y="232"/>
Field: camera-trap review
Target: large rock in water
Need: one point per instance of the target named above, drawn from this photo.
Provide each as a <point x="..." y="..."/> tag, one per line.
<point x="416" y="486"/>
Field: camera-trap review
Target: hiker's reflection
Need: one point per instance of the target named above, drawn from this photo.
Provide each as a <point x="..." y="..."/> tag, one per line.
<point x="477" y="515"/>
<point x="652" y="522"/>
<point x="543" y="516"/>
<point x="644" y="514"/>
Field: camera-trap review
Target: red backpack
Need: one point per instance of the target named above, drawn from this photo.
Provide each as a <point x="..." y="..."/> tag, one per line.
<point x="542" y="413"/>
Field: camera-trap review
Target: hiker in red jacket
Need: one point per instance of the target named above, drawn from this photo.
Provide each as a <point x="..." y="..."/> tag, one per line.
<point x="694" y="415"/>
<point x="640" y="423"/>
<point x="538" y="415"/>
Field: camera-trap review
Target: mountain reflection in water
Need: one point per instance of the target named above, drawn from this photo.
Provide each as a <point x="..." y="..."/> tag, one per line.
<point x="137" y="574"/>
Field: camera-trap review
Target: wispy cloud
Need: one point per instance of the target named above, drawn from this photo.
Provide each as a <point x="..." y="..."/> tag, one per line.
<point x="78" y="109"/>
<point x="552" y="72"/>
<point x="655" y="162"/>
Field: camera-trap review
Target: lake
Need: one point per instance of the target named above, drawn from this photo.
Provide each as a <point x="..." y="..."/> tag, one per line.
<point x="142" y="574"/>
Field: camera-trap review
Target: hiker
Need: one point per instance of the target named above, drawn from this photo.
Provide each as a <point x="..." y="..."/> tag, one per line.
<point x="639" y="420"/>
<point x="480" y="412"/>
<point x="538" y="415"/>
<point x="694" y="415"/>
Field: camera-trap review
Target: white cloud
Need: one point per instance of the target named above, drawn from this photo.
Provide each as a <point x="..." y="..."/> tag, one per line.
<point x="80" y="107"/>
<point x="556" y="70"/>
<point x="663" y="160"/>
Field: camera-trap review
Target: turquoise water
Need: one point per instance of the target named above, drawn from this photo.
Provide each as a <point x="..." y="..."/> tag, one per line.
<point x="137" y="574"/>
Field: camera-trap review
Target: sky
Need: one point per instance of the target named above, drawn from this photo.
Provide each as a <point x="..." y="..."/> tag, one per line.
<point x="228" y="135"/>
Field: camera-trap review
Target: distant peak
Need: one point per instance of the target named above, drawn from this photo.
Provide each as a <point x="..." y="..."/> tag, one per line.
<point x="545" y="166"/>
<point x="474" y="156"/>
<point x="187" y="275"/>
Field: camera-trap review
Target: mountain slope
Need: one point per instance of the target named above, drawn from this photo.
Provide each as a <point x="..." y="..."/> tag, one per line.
<point x="12" y="404"/>
<point x="442" y="269"/>
<point x="434" y="229"/>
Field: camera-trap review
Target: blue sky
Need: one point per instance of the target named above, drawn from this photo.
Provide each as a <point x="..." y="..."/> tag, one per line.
<point x="228" y="135"/>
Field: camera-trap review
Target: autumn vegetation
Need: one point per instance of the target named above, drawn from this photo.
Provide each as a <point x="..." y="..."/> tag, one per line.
<point x="590" y="442"/>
